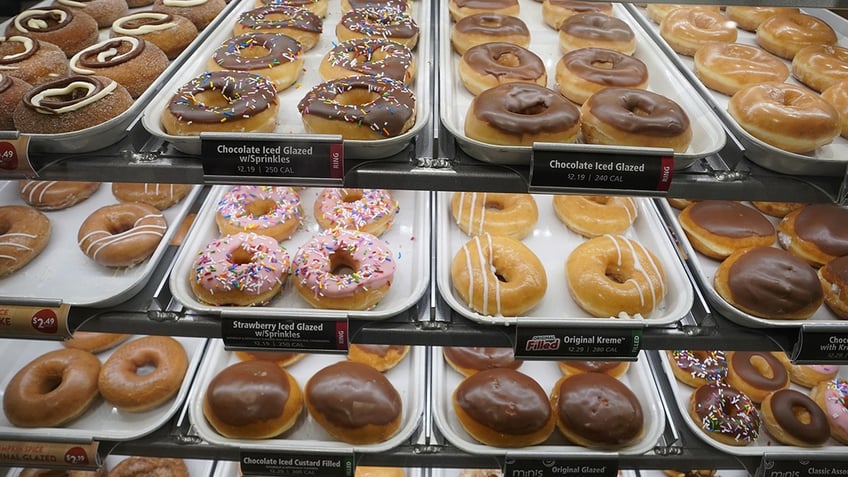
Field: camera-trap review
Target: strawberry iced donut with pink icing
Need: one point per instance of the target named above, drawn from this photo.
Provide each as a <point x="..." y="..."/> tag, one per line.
<point x="367" y="210"/>
<point x="343" y="270"/>
<point x="265" y="210"/>
<point x="832" y="397"/>
<point x="244" y="269"/>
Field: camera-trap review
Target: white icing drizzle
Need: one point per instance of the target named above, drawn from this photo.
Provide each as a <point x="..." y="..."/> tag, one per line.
<point x="89" y="98"/>
<point x="9" y="257"/>
<point x="108" y="239"/>
<point x="639" y="267"/>
<point x="487" y="268"/>
<point x="118" y="26"/>
<point x="471" y="207"/>
<point x="630" y="205"/>
<point x="656" y="269"/>
<point x="484" y="274"/>
<point x="73" y="3"/>
<point x="16" y="244"/>
<point x="35" y="23"/>
<point x="29" y="45"/>
<point x="183" y="3"/>
<point x="39" y="187"/>
<point x="111" y="53"/>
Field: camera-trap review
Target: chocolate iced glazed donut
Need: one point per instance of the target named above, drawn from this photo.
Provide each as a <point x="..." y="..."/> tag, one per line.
<point x="135" y="64"/>
<point x="31" y="60"/>
<point x="583" y="72"/>
<point x="70" y="31"/>
<point x="817" y="233"/>
<point x="104" y="12"/>
<point x="471" y="359"/>
<point x="615" y="369"/>
<point x="378" y="23"/>
<point x="794" y="419"/>
<point x="488" y="27"/>
<point x="12" y="91"/>
<point x="596" y="30"/>
<point x="276" y="57"/>
<point x="725" y="414"/>
<point x="717" y="228"/>
<point x="171" y="33"/>
<point x="695" y="368"/>
<point x="199" y="12"/>
<point x="298" y="23"/>
<point x="368" y="56"/>
<point x="401" y="6"/>
<point x="756" y="373"/>
<point x="460" y="9"/>
<point x="504" y="408"/>
<point x="490" y="64"/>
<point x="554" y="12"/>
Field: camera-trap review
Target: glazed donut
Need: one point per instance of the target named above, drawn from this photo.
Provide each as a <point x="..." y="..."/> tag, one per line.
<point x="490" y="64"/>
<point x="158" y="466"/>
<point x="820" y="66"/>
<point x="834" y="280"/>
<point x="596" y="30"/>
<point x="595" y="215"/>
<point x="127" y="381"/>
<point x="161" y="196"/>
<point x="583" y="72"/>
<point x="502" y="407"/>
<point x="769" y="282"/>
<point x="729" y="67"/>
<point x="482" y="28"/>
<point x="837" y="96"/>
<point x="831" y="397"/>
<point x="276" y="57"/>
<point x="794" y="419"/>
<point x="815" y="233"/>
<point x="686" y="29"/>
<point x="55" y="195"/>
<point x="498" y="276"/>
<point x="244" y="269"/>
<point x="222" y="101"/>
<point x="354" y="403"/>
<point x="94" y="342"/>
<point x="253" y="399"/>
<point x="725" y="414"/>
<point x="380" y="357"/>
<point x="658" y="11"/>
<point x="367" y="210"/>
<point x="680" y="203"/>
<point x="53" y="389"/>
<point x="469" y="360"/>
<point x="135" y="64"/>
<point x="519" y="114"/>
<point x="12" y="91"/>
<point x="122" y="235"/>
<point x="171" y="33"/>
<point x="104" y="12"/>
<point x="615" y="369"/>
<point x="554" y="12"/>
<point x="319" y="275"/>
<point x="717" y="228"/>
<point x="635" y="117"/>
<point x="785" y="34"/>
<point x="70" y="31"/>
<point x="460" y="9"/>
<point x="756" y="373"/>
<point x="71" y="104"/>
<point x="378" y="23"/>
<point x="695" y="368"/>
<point x="776" y="209"/>
<point x="596" y="410"/>
<point x="199" y="12"/>
<point x="750" y="18"/>
<point x="400" y="5"/>
<point x="368" y="56"/>
<point x="612" y="275"/>
<point x="359" y="108"/>
<point x="371" y="471"/>
<point x="298" y="23"/>
<point x="25" y="234"/>
<point x="318" y="7"/>
<point x="280" y="358"/>
<point x="478" y="213"/>
<point x="274" y="211"/>
<point x="32" y="61"/>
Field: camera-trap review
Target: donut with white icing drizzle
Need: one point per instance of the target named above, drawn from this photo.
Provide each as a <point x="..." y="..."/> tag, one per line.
<point x="133" y="63"/>
<point x="171" y="33"/>
<point x="122" y="235"/>
<point x="199" y="12"/>
<point x="71" y="31"/>
<point x="24" y="233"/>
<point x="33" y="61"/>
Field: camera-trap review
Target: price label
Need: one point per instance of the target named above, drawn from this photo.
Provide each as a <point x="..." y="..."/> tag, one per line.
<point x="14" y="157"/>
<point x="595" y="467"/>
<point x="49" y="454"/>
<point x="802" y="466"/>
<point x="264" y="463"/>
<point x="285" y="334"/>
<point x="816" y="347"/>
<point x="34" y="322"/>
<point x="583" y="343"/>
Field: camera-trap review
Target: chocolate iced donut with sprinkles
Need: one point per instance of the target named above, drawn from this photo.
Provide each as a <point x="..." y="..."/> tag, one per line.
<point x="318" y="7"/>
<point x="31" y="60"/>
<point x="274" y="211"/>
<point x="725" y="414"/>
<point x="367" y="210"/>
<point x="368" y="56"/>
<point x="298" y="23"/>
<point x="378" y="23"/>
<point x="276" y="57"/>
<point x="698" y="367"/>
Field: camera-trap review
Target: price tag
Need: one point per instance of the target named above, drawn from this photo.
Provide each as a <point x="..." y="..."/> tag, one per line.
<point x="820" y="346"/>
<point x="563" y="166"/>
<point x="49" y="454"/>
<point x="300" y="464"/>
<point x="594" y="467"/>
<point x="802" y="466"/>
<point x="270" y="158"/>
<point x="18" y="321"/>
<point x="582" y="343"/>
<point x="285" y="334"/>
<point x="14" y="156"/>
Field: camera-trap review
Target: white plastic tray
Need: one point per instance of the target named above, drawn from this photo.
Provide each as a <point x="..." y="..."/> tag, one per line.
<point x="708" y="135"/>
<point x="306" y="435"/>
<point x="196" y="467"/>
<point x="63" y="272"/>
<point x="552" y="242"/>
<point x="546" y="373"/>
<point x="102" y="421"/>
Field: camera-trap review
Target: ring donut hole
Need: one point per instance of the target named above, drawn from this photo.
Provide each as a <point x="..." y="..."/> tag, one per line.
<point x="539" y="106"/>
<point x="342" y="263"/>
<point x="117" y="225"/>
<point x="762" y="366"/>
<point x="363" y="56"/>
<point x="508" y="59"/>
<point x="802" y="414"/>
<point x="254" y="51"/>
<point x="241" y="256"/>
<point x="357" y="97"/>
<point x="260" y="207"/>
<point x="214" y="98"/>
<point x="350" y="196"/>
<point x="144" y="364"/>
<point x="52" y="380"/>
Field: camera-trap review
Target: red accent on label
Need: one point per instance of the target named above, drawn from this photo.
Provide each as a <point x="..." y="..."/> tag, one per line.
<point x="341" y="334"/>
<point x="666" y="172"/>
<point x="8" y="156"/>
<point x="76" y="456"/>
<point x="45" y="321"/>
<point x="337" y="161"/>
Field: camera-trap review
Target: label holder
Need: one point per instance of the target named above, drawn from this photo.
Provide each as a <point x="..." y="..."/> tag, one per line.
<point x="802" y="465"/>
<point x="302" y="464"/>
<point x="14" y="155"/>
<point x="285" y="334"/>
<point x="578" y="343"/>
<point x="35" y="321"/>
<point x="820" y="345"/>
<point x="544" y="466"/>
<point x="76" y="455"/>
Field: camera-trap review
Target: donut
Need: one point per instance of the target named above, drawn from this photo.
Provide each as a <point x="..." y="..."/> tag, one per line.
<point x="354" y="403"/>
<point x="161" y="196"/>
<point x="807" y="375"/>
<point x="53" y="389"/>
<point x="378" y="23"/>
<point x="143" y="374"/>
<point x="490" y="64"/>
<point x="12" y="91"/>
<point x="833" y="276"/>
<point x="94" y="342"/>
<point x="717" y="228"/>
<point x="487" y="27"/>
<point x="25" y="234"/>
<point x="244" y="269"/>
<point x="104" y="12"/>
<point x="596" y="30"/>
<point x="820" y="66"/>
<point x="199" y="12"/>
<point x="756" y="373"/>
<point x="71" y="104"/>
<point x="274" y="211"/>
<point x="298" y="23"/>
<point x="359" y="108"/>
<point x="635" y="117"/>
<point x="69" y="30"/>
<point x="276" y="57"/>
<point x="367" y="210"/>
<point x="519" y="114"/>
<point x="400" y="5"/>
<point x="616" y="369"/>
<point x="159" y="466"/>
<point x="612" y="275"/>
<point x="343" y="270"/>
<point x="725" y="414"/>
<point x="769" y="282"/>
<point x="318" y="7"/>
<point x="816" y="233"/>
<point x="680" y="203"/>
<point x="467" y="360"/>
<point x="794" y="419"/>
<point x="171" y="33"/>
<point x="581" y="73"/>
<point x="729" y="67"/>
<point x="595" y="215"/>
<point x="33" y="472"/>
<point x="776" y="209"/>
<point x="498" y="276"/>
<point x="55" y="195"/>
<point x="32" y="61"/>
<point x="831" y="397"/>
<point x="502" y="407"/>
<point x="460" y="9"/>
<point x="658" y="11"/>
<point x="837" y="96"/>
<point x="554" y="12"/>
<point x="686" y="29"/>
<point x="368" y="56"/>
<point x="222" y="101"/>
<point x="380" y="357"/>
<point x="478" y="213"/>
<point x="695" y="368"/>
<point x="139" y="3"/>
<point x="280" y="358"/>
<point x="372" y="471"/>
<point x="785" y="34"/>
<point x="133" y="63"/>
<point x="749" y="18"/>
<point x="596" y="410"/>
<point x="122" y="235"/>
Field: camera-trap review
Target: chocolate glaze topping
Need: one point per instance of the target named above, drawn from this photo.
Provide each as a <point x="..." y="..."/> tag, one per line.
<point x="45" y="19"/>
<point x="725" y="410"/>
<point x="486" y="4"/>
<point x="525" y="108"/>
<point x="638" y="111"/>
<point x="594" y="366"/>
<point x="596" y="26"/>
<point x="358" y="55"/>
<point x="582" y="7"/>
<point x="492" y="24"/>
<point x="730" y="219"/>
<point x="480" y="358"/>
<point x="281" y="50"/>
<point x="741" y="364"/>
<point x="281" y="16"/>
<point x="395" y="4"/>
<point x="488" y="59"/>
<point x="380" y="350"/>
<point x="13" y="55"/>
<point x="89" y="59"/>
<point x="249" y="94"/>
<point x="504" y="400"/>
<point x="817" y="431"/>
<point x="825" y="225"/>
<point x="56" y="102"/>
<point x="606" y="67"/>
<point x="247" y="392"/>
<point x="599" y="408"/>
<point x="353" y="395"/>
<point x="136" y="23"/>
<point x="380" y="22"/>
<point x="837" y="269"/>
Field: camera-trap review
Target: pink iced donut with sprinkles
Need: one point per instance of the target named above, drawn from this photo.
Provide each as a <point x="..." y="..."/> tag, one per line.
<point x="265" y="210"/>
<point x="244" y="269"/>
<point x="367" y="210"/>
<point x="832" y="397"/>
<point x="343" y="270"/>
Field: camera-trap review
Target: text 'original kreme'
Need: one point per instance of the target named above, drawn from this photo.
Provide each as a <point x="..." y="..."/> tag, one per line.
<point x="597" y="166"/>
<point x="278" y="329"/>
